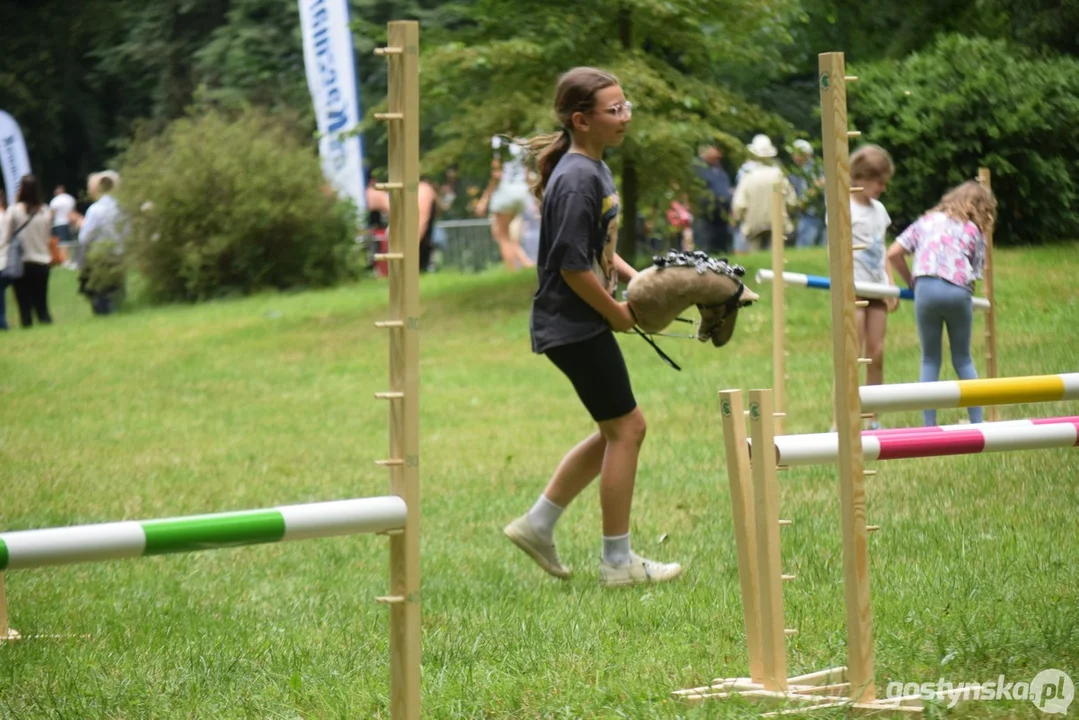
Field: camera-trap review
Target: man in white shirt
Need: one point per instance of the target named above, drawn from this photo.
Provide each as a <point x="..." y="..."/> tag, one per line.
<point x="62" y="204"/>
<point x="752" y="205"/>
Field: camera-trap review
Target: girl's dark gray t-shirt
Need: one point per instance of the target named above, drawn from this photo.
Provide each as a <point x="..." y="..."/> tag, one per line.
<point x="578" y="231"/>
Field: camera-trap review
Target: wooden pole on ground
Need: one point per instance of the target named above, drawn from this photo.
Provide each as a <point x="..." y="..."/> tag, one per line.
<point x="4" y="627"/>
<point x="404" y="174"/>
<point x="847" y="407"/>
<point x="745" y="534"/>
<point x="766" y="520"/>
<point x="985" y="178"/>
<point x="779" y="365"/>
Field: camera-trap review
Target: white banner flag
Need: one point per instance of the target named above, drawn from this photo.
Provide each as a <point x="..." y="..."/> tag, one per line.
<point x="13" y="155"/>
<point x="331" y="77"/>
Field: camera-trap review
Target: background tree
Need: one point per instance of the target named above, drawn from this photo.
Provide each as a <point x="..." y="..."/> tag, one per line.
<point x="81" y="78"/>
<point x="497" y="75"/>
<point x="967" y="102"/>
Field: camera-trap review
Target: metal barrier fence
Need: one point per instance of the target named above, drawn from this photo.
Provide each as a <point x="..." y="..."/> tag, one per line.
<point x="466" y="245"/>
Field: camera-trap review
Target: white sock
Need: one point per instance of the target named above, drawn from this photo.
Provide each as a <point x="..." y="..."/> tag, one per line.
<point x="543" y="516"/>
<point x="616" y="549"/>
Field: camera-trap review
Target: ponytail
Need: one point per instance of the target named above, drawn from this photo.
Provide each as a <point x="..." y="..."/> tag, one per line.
<point x="546" y="150"/>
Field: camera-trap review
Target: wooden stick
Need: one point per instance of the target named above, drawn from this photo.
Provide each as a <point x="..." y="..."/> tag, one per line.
<point x="821" y="677"/>
<point x="745" y="534"/>
<point x="404" y="172"/>
<point x="766" y="512"/>
<point x="4" y="627"/>
<point x="779" y="370"/>
<point x="847" y="407"/>
<point x="985" y="178"/>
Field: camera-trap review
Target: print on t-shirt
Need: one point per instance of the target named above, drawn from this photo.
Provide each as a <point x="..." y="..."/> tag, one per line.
<point x="604" y="263"/>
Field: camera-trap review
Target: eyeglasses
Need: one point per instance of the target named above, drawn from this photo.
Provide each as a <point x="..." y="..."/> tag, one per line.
<point x="621" y="110"/>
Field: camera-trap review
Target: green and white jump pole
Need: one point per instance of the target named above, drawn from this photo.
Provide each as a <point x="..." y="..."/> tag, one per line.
<point x="25" y="549"/>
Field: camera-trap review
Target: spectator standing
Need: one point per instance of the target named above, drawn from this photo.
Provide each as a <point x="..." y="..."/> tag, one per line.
<point x="748" y="166"/>
<point x="808" y="180"/>
<point x="711" y="217"/>
<point x="752" y="206"/>
<point x="505" y="199"/>
<point x="62" y="206"/>
<point x="104" y="222"/>
<point x="29" y="222"/>
<point x="427" y="197"/>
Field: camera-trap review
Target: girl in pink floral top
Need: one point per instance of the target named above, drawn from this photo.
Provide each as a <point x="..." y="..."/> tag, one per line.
<point x="948" y="244"/>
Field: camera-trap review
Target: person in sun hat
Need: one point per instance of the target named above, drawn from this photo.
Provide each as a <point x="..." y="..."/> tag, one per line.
<point x="752" y="206"/>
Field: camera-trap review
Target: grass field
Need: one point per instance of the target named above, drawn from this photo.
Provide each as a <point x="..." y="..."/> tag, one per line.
<point x="268" y="400"/>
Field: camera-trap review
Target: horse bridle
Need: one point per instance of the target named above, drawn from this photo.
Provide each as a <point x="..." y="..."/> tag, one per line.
<point x="702" y="262"/>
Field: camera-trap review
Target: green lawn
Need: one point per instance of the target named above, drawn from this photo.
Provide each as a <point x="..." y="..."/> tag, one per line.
<point x="268" y="400"/>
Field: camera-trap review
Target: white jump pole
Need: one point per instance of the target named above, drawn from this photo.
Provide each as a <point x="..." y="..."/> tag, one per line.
<point x="862" y="289"/>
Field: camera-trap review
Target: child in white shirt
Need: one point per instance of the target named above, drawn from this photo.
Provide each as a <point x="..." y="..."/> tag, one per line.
<point x="871" y="169"/>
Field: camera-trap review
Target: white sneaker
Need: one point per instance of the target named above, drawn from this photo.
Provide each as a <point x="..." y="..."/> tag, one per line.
<point x="524" y="536"/>
<point x="639" y="570"/>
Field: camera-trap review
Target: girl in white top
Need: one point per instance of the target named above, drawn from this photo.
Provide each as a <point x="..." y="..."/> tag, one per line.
<point x="871" y="169"/>
<point x="29" y="222"/>
<point x="505" y="198"/>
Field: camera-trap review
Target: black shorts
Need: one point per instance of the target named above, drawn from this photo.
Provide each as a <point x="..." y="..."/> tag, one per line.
<point x="598" y="373"/>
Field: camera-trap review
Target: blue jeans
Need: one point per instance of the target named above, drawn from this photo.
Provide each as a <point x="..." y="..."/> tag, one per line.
<point x="713" y="238"/>
<point x="938" y="303"/>
<point x="810" y="232"/>
<point x="4" y="282"/>
<point x="740" y="244"/>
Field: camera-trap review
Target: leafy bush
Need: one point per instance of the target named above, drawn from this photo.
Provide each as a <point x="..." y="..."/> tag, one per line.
<point x="222" y="205"/>
<point x="971" y="102"/>
<point x="106" y="269"/>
